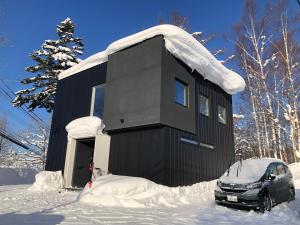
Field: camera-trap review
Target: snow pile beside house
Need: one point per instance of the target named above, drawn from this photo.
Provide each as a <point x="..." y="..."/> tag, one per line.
<point x="13" y="176"/>
<point x="295" y="169"/>
<point x="48" y="181"/>
<point x="88" y="126"/>
<point x="247" y="171"/>
<point x="182" y="45"/>
<point x="134" y="192"/>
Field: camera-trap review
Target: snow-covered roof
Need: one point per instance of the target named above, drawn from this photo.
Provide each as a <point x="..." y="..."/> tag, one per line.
<point x="182" y="45"/>
<point x="247" y="171"/>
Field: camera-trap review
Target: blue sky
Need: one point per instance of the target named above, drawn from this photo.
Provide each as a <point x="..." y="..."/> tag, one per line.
<point x="26" y="24"/>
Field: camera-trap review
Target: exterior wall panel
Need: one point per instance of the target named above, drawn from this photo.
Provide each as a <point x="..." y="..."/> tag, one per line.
<point x="133" y="86"/>
<point x="73" y="99"/>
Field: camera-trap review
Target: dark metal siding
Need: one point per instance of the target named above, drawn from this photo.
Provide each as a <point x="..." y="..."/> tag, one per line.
<point x="139" y="153"/>
<point x="173" y="114"/>
<point x="186" y="163"/>
<point x="73" y="99"/>
<point x="159" y="155"/>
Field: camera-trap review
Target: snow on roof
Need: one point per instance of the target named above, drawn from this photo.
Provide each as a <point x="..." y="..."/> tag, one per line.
<point x="247" y="171"/>
<point x="182" y="45"/>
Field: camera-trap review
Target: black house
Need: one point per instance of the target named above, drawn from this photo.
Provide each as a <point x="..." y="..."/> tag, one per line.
<point x="163" y="120"/>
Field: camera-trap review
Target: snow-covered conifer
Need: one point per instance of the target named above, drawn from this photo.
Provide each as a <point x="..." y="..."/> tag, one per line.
<point x="54" y="57"/>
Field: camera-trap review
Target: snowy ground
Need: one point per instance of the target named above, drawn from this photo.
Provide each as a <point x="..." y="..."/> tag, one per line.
<point x="18" y="205"/>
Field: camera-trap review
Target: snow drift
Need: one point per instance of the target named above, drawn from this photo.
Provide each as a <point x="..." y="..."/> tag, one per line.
<point x="13" y="176"/>
<point x="135" y="192"/>
<point x="295" y="169"/>
<point x="48" y="181"/>
<point x="88" y="126"/>
<point x="247" y="171"/>
<point x="182" y="45"/>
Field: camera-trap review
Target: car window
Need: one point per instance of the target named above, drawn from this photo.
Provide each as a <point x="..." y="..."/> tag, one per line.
<point x="272" y="169"/>
<point x="280" y="169"/>
<point x="287" y="171"/>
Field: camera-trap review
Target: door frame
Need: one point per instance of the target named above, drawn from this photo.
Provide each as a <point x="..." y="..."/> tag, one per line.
<point x="81" y="140"/>
<point x="70" y="161"/>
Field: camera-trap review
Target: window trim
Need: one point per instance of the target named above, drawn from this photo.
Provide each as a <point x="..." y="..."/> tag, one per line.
<point x="93" y="98"/>
<point x="186" y="93"/>
<point x="187" y="140"/>
<point x="209" y="105"/>
<point x="211" y="147"/>
<point x="224" y="123"/>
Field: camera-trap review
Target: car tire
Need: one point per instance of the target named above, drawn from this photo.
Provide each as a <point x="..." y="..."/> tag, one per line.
<point x="266" y="203"/>
<point x="292" y="195"/>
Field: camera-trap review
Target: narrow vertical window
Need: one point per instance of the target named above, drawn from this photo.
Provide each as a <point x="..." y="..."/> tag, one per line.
<point x="222" y="114"/>
<point x="97" y="103"/>
<point x="204" y="105"/>
<point x="181" y="93"/>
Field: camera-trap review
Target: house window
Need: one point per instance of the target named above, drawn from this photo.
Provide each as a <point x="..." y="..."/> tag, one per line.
<point x="97" y="103"/>
<point x="204" y="105"/>
<point x="188" y="141"/>
<point x="222" y="114"/>
<point x="181" y="93"/>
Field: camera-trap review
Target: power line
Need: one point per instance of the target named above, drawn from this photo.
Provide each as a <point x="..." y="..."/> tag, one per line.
<point x="24" y="104"/>
<point x="29" y="113"/>
<point x="10" y="99"/>
<point x="13" y="140"/>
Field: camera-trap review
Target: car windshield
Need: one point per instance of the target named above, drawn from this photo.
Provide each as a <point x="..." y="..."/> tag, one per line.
<point x="247" y="171"/>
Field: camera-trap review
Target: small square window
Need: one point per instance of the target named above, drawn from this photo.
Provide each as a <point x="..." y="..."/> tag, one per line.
<point x="181" y="93"/>
<point x="222" y="114"/>
<point x="204" y="105"/>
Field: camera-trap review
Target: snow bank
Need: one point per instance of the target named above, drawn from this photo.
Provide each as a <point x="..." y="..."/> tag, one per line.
<point x="85" y="127"/>
<point x="182" y="45"/>
<point x="134" y="192"/>
<point x="297" y="153"/>
<point x="48" y="181"/>
<point x="13" y="176"/>
<point x="295" y="169"/>
<point x="247" y="171"/>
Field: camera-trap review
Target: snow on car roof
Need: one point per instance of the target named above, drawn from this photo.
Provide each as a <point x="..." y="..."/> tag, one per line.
<point x="183" y="46"/>
<point x="247" y="171"/>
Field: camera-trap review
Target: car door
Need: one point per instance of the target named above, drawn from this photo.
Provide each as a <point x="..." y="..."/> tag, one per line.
<point x="286" y="182"/>
<point x="282" y="182"/>
<point x="274" y="186"/>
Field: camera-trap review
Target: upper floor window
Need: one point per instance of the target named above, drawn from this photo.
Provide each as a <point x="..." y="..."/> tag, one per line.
<point x="97" y="103"/>
<point x="204" y="105"/>
<point x="222" y="114"/>
<point x="181" y="93"/>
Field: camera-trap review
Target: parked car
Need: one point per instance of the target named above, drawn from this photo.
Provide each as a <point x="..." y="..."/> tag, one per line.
<point x="255" y="183"/>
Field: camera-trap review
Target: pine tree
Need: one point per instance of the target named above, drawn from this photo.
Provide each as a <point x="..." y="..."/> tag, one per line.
<point x="54" y="57"/>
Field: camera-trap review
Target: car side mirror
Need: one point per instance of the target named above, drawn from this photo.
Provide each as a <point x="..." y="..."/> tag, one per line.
<point x="271" y="177"/>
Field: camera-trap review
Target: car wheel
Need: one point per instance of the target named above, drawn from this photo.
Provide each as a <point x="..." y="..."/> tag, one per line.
<point x="292" y="195"/>
<point x="266" y="203"/>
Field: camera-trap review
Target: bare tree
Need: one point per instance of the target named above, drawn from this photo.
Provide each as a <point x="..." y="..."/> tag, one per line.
<point x="183" y="22"/>
<point x="269" y="60"/>
<point x="37" y="141"/>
